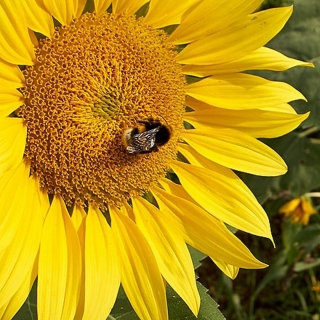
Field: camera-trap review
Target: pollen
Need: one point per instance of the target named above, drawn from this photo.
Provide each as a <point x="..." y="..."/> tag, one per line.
<point x="93" y="80"/>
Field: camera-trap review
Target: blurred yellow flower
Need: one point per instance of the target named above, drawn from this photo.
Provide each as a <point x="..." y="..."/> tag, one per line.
<point x="299" y="210"/>
<point x="73" y="195"/>
<point x="316" y="287"/>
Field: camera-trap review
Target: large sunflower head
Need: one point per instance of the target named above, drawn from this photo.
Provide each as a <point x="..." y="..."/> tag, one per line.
<point x="93" y="79"/>
<point x="99" y="114"/>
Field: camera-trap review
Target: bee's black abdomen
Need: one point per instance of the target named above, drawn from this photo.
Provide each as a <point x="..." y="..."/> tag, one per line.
<point x="163" y="135"/>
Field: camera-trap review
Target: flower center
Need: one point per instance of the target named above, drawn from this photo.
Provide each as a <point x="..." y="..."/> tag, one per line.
<point x="93" y="80"/>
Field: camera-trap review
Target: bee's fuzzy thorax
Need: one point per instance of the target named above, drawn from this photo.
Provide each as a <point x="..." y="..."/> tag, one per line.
<point x="146" y="137"/>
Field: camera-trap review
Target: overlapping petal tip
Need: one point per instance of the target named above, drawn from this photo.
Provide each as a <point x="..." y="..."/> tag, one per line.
<point x="169" y="249"/>
<point x="163" y="13"/>
<point x="209" y="17"/>
<point x="128" y="7"/>
<point x="239" y="39"/>
<point x="37" y="18"/>
<point x="12" y="143"/>
<point x="281" y="108"/>
<point x="102" y="274"/>
<point x="78" y="219"/>
<point x="59" y="274"/>
<point x="228" y="269"/>
<point x="220" y="191"/>
<point x="256" y="123"/>
<point x="260" y="59"/>
<point x="63" y="11"/>
<point x="23" y="205"/>
<point x="205" y="233"/>
<point x="100" y="6"/>
<point x="252" y="156"/>
<point x="248" y="92"/>
<point x="81" y="6"/>
<point x="142" y="281"/>
<point x="10" y="100"/>
<point x="9" y="310"/>
<point x="198" y="105"/>
<point x="10" y="76"/>
<point x="16" y="46"/>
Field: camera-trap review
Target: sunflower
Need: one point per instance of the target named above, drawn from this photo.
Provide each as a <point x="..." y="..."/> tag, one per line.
<point x="298" y="209"/>
<point x="87" y="193"/>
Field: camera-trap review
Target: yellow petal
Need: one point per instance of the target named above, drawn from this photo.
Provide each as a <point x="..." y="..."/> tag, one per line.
<point x="290" y="206"/>
<point x="10" y="100"/>
<point x="12" y="143"/>
<point x="100" y="6"/>
<point x="209" y="17"/>
<point x="59" y="272"/>
<point x="9" y="310"/>
<point x="205" y="233"/>
<point x="128" y="7"/>
<point x="22" y="219"/>
<point x="197" y="104"/>
<point x="248" y="92"/>
<point x="16" y="45"/>
<point x="284" y="107"/>
<point x="170" y="251"/>
<point x="140" y="274"/>
<point x="37" y="18"/>
<point x="33" y="38"/>
<point x="201" y="106"/>
<point x="102" y="274"/>
<point x="164" y="13"/>
<point x="10" y="75"/>
<point x="63" y="11"/>
<point x="242" y="37"/>
<point x="228" y="269"/>
<point x="79" y="221"/>
<point x="9" y="103"/>
<point x="236" y="150"/>
<point x="81" y="6"/>
<point x="307" y="207"/>
<point x="256" y="123"/>
<point x="260" y="59"/>
<point x="225" y="196"/>
<point x="78" y="217"/>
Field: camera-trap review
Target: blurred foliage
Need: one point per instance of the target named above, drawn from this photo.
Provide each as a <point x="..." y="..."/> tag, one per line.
<point x="276" y="3"/>
<point x="284" y="289"/>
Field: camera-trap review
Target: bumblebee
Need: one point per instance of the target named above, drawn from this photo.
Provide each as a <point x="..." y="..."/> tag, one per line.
<point x="147" y="137"/>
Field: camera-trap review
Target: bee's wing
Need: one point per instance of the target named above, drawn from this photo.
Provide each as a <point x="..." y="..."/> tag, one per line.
<point x="143" y="142"/>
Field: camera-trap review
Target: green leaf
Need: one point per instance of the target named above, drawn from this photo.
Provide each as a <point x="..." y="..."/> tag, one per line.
<point x="302" y="265"/>
<point x="309" y="237"/>
<point x="179" y="310"/>
<point x="291" y="249"/>
<point x="177" y="307"/>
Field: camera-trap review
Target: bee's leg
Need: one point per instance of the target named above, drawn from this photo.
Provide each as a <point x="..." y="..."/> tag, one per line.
<point x="153" y="149"/>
